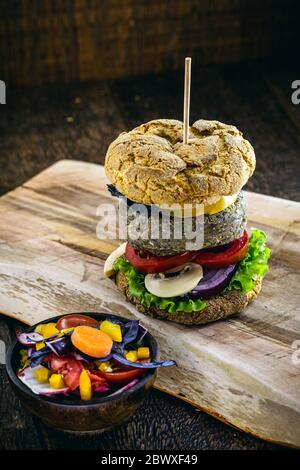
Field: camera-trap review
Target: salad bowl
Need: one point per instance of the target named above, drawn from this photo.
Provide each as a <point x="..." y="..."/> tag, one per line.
<point x="70" y="414"/>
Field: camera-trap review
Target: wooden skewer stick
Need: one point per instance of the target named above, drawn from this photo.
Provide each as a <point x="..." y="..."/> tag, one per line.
<point x="187" y="96"/>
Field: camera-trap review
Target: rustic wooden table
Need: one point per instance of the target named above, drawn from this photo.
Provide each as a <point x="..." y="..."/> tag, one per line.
<point x="44" y="125"/>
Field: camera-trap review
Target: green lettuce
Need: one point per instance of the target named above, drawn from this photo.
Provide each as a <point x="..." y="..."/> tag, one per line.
<point x="137" y="289"/>
<point x="253" y="267"/>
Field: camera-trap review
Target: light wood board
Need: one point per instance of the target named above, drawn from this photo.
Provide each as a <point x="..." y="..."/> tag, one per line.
<point x="240" y="370"/>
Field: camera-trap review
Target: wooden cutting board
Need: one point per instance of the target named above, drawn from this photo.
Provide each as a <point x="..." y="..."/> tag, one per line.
<point x="239" y="370"/>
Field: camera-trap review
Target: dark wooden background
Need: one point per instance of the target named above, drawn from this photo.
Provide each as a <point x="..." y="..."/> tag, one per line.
<point x="73" y="74"/>
<point x="76" y="40"/>
<point x="39" y="126"/>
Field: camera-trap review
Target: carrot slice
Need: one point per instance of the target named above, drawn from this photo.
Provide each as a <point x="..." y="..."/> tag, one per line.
<point x="92" y="342"/>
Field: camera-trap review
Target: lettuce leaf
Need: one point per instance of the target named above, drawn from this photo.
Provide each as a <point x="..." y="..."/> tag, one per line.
<point x="137" y="289"/>
<point x="254" y="266"/>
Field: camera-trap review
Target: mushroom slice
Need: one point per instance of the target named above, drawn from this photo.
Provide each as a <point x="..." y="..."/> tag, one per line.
<point x="109" y="263"/>
<point x="177" y="281"/>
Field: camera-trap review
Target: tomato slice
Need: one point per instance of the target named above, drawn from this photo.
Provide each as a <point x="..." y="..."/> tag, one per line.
<point x="235" y="252"/>
<point x="150" y="264"/>
<point x="68" y="367"/>
<point x="73" y="320"/>
<point x="121" y="377"/>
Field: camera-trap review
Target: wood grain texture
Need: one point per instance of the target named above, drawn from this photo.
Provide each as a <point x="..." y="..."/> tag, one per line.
<point x="65" y="41"/>
<point x="51" y="262"/>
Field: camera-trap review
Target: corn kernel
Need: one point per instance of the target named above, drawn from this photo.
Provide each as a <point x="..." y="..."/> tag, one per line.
<point x="42" y="375"/>
<point x="39" y="345"/>
<point x="131" y="356"/>
<point x="85" y="386"/>
<point x="143" y="353"/>
<point x="112" y="329"/>
<point x="56" y="381"/>
<point x="105" y="366"/>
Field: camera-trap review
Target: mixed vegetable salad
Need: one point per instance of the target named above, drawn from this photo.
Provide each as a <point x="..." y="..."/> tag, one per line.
<point x="85" y="358"/>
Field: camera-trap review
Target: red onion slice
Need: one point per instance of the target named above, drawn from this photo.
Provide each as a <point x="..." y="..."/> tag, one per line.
<point x="213" y="282"/>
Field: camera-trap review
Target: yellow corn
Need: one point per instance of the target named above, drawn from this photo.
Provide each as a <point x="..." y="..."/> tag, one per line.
<point x="143" y="353"/>
<point x="39" y="345"/>
<point x="105" y="366"/>
<point x="112" y="329"/>
<point x="131" y="356"/>
<point x="85" y="386"/>
<point x="42" y="375"/>
<point x="56" y="381"/>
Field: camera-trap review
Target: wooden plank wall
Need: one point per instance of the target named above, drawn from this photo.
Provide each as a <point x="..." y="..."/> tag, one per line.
<point x="68" y="40"/>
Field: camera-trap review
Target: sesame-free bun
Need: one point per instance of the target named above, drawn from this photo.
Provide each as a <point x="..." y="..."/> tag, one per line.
<point x="217" y="307"/>
<point x="151" y="165"/>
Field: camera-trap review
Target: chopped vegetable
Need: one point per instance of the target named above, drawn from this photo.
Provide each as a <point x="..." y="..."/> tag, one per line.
<point x="86" y="361"/>
<point x="85" y="386"/>
<point x="68" y="367"/>
<point x="75" y="319"/>
<point x="143" y="353"/>
<point x="105" y="366"/>
<point x="49" y="329"/>
<point x="60" y="345"/>
<point x="42" y="375"/>
<point x="131" y="356"/>
<point x="27" y="376"/>
<point x="143" y="365"/>
<point x="24" y="362"/>
<point x="112" y="329"/>
<point x="38" y="328"/>
<point x="122" y="376"/>
<point x="40" y="345"/>
<point x="29" y="339"/>
<point x="56" y="381"/>
<point x="90" y="341"/>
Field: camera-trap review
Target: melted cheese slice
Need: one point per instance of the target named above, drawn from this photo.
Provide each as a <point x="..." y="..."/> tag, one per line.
<point x="193" y="211"/>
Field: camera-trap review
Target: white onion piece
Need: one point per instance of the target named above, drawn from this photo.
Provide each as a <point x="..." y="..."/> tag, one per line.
<point x="27" y="376"/>
<point x="186" y="279"/>
<point x="109" y="263"/>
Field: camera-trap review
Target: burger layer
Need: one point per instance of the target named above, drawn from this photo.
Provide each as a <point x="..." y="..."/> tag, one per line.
<point x="211" y="230"/>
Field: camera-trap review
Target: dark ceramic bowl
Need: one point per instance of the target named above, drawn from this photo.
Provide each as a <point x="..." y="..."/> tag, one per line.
<point x="67" y="414"/>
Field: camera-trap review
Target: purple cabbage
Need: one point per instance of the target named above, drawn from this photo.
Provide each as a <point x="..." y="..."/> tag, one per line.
<point x="143" y="365"/>
<point x="60" y="346"/>
<point x="125" y="388"/>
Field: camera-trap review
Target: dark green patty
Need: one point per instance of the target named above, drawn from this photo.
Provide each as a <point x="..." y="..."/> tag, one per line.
<point x="219" y="229"/>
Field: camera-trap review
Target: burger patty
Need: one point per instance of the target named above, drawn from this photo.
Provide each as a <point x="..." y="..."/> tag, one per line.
<point x="219" y="229"/>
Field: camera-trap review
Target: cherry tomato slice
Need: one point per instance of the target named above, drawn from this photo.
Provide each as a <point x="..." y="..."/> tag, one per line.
<point x="121" y="377"/>
<point x="68" y="367"/>
<point x="235" y="252"/>
<point x="73" y="320"/>
<point x="156" y="264"/>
